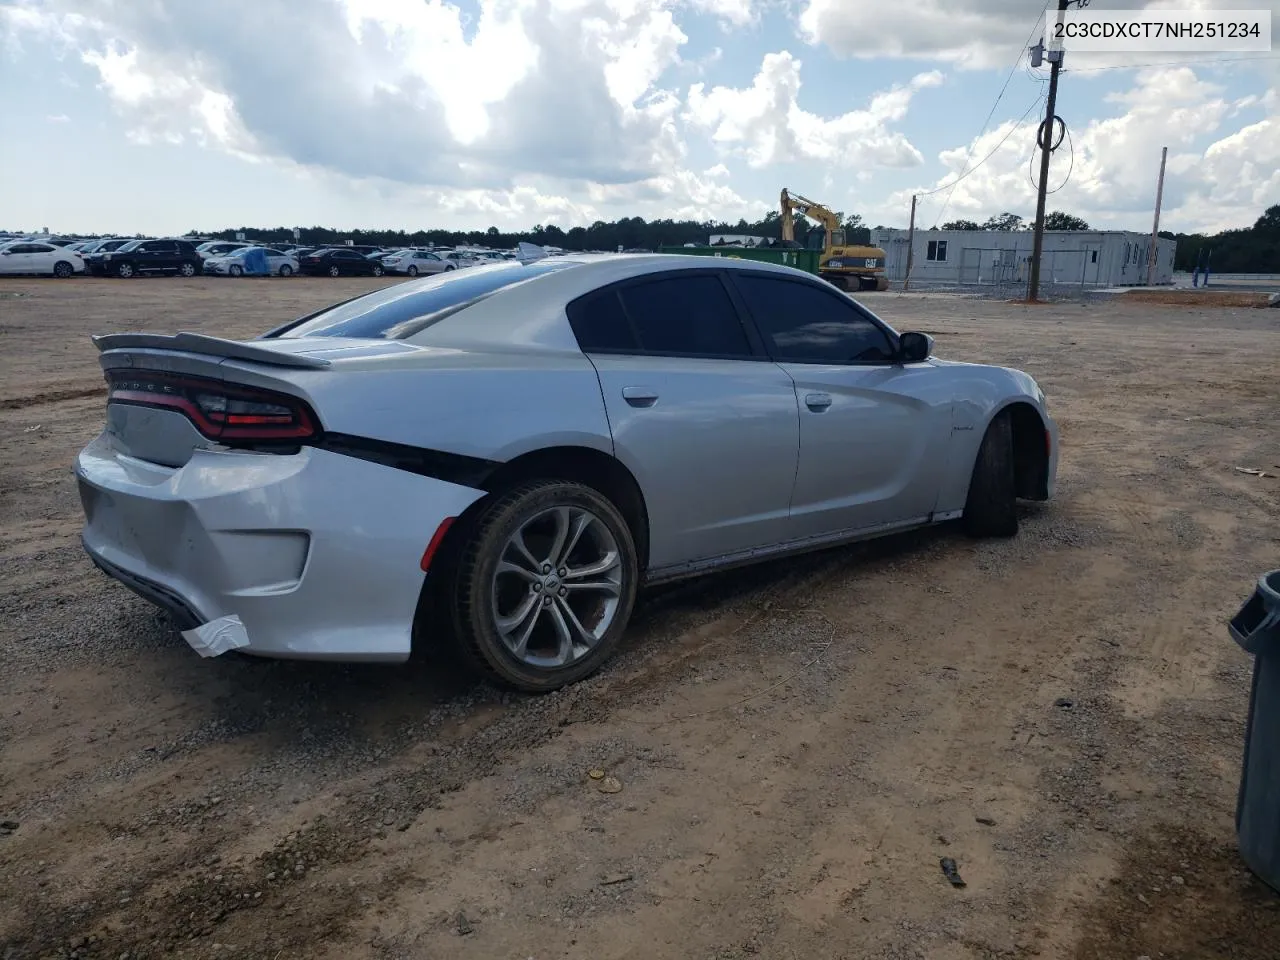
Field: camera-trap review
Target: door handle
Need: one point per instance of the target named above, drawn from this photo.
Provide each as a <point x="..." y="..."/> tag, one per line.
<point x="640" y="396"/>
<point x="817" y="402"/>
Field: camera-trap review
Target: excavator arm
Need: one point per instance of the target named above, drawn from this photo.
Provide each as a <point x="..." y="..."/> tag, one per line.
<point x="814" y="211"/>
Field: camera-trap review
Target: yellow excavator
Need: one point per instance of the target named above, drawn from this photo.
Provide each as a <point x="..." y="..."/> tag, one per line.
<point x="851" y="267"/>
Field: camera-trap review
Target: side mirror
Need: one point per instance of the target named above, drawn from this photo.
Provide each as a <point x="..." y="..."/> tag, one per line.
<point x="914" y="347"/>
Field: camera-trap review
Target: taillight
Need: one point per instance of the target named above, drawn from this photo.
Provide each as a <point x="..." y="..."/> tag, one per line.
<point x="220" y="411"/>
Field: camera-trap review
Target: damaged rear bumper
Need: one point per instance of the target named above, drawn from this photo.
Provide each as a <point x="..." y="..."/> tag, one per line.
<point x="316" y="555"/>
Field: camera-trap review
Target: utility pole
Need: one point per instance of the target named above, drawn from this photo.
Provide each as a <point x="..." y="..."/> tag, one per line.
<point x="1155" y="228"/>
<point x="911" y="244"/>
<point x="1046" y="148"/>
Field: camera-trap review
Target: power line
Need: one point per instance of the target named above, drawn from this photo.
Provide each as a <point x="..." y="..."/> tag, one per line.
<point x="1012" y="70"/>
<point x="1167" y="63"/>
<point x="1021" y="120"/>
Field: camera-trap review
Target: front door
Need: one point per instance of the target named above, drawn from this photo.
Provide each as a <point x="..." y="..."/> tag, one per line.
<point x="874" y="435"/>
<point x="704" y="421"/>
<point x="970" y="265"/>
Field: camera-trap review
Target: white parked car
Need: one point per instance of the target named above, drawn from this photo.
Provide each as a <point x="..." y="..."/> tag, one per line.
<point x="234" y="264"/>
<point x="415" y="262"/>
<point x="40" y="258"/>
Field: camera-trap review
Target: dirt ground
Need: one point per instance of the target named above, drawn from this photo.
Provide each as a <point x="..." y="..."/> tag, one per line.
<point x="798" y="744"/>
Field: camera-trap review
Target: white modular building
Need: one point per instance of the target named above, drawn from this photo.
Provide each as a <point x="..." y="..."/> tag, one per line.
<point x="1090" y="258"/>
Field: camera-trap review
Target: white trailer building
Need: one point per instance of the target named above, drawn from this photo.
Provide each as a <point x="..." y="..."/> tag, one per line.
<point x="1089" y="258"/>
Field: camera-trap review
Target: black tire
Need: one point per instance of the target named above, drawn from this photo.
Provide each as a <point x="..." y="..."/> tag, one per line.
<point x="235" y="270"/>
<point x="471" y="606"/>
<point x="413" y="270"/>
<point x="62" y="270"/>
<point x="450" y="267"/>
<point x="187" y="269"/>
<point x="124" y="271"/>
<point x="334" y="271"/>
<point x="991" y="509"/>
<point x="286" y="270"/>
<point x="377" y="270"/>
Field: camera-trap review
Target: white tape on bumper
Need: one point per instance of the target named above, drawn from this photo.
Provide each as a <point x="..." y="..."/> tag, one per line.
<point x="217" y="636"/>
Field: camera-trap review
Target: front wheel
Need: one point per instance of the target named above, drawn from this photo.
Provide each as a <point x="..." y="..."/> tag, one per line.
<point x="991" y="509"/>
<point x="235" y="270"/>
<point x="544" y="586"/>
<point x="187" y="269"/>
<point x="377" y="270"/>
<point x="62" y="270"/>
<point x="286" y="270"/>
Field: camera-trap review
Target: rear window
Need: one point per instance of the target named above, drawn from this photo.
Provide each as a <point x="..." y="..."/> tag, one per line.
<point x="397" y="312"/>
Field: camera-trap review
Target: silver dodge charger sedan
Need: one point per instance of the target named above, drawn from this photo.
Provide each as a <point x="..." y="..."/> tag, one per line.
<point x="502" y="456"/>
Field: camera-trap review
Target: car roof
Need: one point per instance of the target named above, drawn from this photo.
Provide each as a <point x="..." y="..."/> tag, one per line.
<point x="531" y="316"/>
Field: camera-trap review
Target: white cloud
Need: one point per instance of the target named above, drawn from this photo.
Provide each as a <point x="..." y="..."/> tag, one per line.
<point x="58" y="118"/>
<point x="732" y="13"/>
<point x="766" y="124"/>
<point x="1112" y="175"/>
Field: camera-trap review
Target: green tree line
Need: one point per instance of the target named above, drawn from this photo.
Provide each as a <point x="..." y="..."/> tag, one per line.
<point x="630" y="233"/>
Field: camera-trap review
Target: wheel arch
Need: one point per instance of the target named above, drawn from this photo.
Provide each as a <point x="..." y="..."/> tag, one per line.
<point x="577" y="464"/>
<point x="1030" y="447"/>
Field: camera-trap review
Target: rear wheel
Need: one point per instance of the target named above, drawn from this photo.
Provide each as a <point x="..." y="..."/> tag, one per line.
<point x="62" y="270"/>
<point x="413" y="270"/>
<point x="544" y="586"/>
<point x="124" y="271"/>
<point x="991" y="509"/>
<point x="377" y="270"/>
<point x="334" y="271"/>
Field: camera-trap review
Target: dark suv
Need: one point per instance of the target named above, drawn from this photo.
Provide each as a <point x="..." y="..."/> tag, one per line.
<point x="152" y="256"/>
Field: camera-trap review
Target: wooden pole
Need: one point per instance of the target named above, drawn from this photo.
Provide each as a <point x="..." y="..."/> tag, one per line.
<point x="1046" y="148"/>
<point x="911" y="244"/>
<point x="1155" y="227"/>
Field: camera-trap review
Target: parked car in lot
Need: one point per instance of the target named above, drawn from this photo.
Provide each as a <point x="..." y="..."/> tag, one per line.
<point x="233" y="264"/>
<point x="139" y="257"/>
<point x="415" y="262"/>
<point x="217" y="248"/>
<point x="93" y="255"/>
<point x="531" y="443"/>
<point x="339" y="262"/>
<point x="40" y="258"/>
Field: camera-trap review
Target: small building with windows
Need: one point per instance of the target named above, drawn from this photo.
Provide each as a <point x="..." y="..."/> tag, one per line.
<point x="1085" y="258"/>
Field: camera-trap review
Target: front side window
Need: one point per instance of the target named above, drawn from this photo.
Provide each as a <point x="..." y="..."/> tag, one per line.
<point x="804" y="323"/>
<point x="937" y="251"/>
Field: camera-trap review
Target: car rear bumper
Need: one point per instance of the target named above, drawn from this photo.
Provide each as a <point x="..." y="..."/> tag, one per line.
<point x="317" y="553"/>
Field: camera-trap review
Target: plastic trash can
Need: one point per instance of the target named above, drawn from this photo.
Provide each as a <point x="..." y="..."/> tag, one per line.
<point x="1257" y="629"/>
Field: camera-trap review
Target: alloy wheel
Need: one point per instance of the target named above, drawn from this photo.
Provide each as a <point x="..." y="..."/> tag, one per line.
<point x="557" y="586"/>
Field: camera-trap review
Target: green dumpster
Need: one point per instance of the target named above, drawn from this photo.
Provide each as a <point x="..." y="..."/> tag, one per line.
<point x="806" y="260"/>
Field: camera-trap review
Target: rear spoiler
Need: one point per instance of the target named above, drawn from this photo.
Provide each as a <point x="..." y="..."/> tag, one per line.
<point x="209" y="346"/>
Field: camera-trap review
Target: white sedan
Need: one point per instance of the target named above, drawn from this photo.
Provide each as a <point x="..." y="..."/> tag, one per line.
<point x="415" y="262"/>
<point x="40" y="258"/>
<point x="235" y="263"/>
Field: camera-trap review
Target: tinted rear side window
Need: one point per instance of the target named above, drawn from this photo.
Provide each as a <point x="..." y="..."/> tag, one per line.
<point x="686" y="315"/>
<point x="803" y="323"/>
<point x="404" y="309"/>
<point x="600" y="324"/>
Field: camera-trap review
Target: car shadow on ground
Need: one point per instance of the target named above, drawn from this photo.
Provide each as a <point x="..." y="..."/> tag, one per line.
<point x="246" y="695"/>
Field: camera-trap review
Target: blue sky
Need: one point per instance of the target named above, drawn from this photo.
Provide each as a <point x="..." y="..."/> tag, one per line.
<point x="155" y="116"/>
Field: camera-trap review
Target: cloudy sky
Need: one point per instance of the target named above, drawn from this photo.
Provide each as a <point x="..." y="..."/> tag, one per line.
<point x="167" y="115"/>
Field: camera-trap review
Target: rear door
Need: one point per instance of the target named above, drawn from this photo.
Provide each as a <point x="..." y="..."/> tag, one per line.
<point x="874" y="435"/>
<point x="705" y="422"/>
